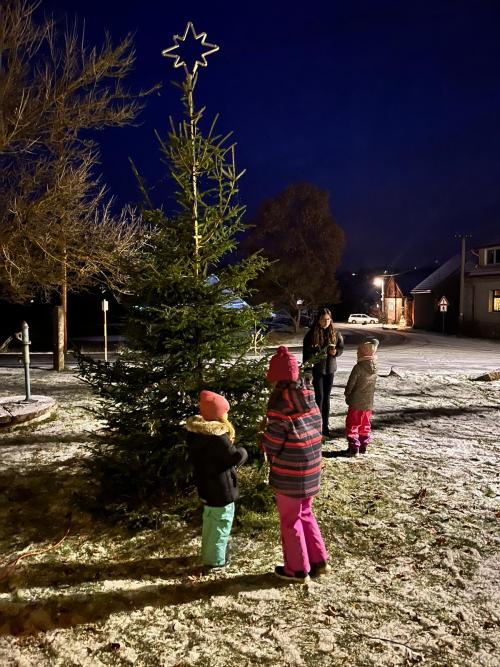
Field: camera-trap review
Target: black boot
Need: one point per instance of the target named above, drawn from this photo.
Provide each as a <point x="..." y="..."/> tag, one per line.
<point x="353" y="448"/>
<point x="364" y="441"/>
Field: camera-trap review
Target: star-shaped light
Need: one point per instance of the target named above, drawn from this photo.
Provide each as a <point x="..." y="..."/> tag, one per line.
<point x="207" y="49"/>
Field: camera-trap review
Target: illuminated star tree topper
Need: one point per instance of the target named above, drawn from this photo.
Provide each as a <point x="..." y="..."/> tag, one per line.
<point x="190" y="50"/>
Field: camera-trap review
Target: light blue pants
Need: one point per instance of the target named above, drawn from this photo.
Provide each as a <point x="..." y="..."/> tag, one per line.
<point x="217" y="523"/>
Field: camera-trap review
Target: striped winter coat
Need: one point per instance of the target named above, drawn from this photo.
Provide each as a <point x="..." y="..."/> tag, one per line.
<point x="292" y="441"/>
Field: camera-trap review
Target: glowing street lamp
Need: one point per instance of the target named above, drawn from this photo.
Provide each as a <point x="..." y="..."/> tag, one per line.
<point x="379" y="281"/>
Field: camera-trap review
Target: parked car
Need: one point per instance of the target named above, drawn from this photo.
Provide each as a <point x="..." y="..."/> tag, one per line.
<point x="281" y="320"/>
<point x="361" y="318"/>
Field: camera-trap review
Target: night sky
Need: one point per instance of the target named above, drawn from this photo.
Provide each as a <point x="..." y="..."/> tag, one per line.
<point x="392" y="106"/>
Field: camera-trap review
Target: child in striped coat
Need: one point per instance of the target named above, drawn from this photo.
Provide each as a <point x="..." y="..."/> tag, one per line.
<point x="292" y="442"/>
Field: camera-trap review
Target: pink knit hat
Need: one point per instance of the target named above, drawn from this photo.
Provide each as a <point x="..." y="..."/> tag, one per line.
<point x="212" y="406"/>
<point x="283" y="366"/>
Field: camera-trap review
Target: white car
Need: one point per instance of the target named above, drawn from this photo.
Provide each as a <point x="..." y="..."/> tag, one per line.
<point x="361" y="318"/>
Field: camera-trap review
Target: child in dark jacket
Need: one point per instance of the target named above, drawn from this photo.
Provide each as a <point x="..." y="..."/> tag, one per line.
<point x="210" y="438"/>
<point x="359" y="393"/>
<point x="292" y="442"/>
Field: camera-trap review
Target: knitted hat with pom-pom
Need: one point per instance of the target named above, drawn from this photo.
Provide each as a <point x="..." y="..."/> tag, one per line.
<point x="368" y="348"/>
<point x="283" y="366"/>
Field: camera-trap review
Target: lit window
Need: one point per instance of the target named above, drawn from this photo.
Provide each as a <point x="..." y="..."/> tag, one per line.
<point x="495" y="300"/>
<point x="493" y="256"/>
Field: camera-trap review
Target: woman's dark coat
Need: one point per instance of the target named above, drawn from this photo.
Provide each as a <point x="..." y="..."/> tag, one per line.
<point x="328" y="364"/>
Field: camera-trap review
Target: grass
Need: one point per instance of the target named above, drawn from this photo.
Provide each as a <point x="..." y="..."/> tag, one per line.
<point x="404" y="526"/>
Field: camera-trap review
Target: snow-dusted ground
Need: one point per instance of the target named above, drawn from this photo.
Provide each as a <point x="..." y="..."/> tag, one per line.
<point x="429" y="352"/>
<point x="412" y="528"/>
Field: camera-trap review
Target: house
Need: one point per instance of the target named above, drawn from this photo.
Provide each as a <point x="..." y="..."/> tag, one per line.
<point x="482" y="293"/>
<point x="393" y="302"/>
<point x="397" y="303"/>
<point x="444" y="281"/>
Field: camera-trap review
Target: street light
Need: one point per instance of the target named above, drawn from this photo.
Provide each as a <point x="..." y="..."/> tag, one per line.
<point x="379" y="281"/>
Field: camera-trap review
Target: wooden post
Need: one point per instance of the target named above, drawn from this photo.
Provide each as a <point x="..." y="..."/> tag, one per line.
<point x="58" y="339"/>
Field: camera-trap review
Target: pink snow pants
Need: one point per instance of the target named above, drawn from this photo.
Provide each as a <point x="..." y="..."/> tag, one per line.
<point x="358" y="427"/>
<point x="300" y="534"/>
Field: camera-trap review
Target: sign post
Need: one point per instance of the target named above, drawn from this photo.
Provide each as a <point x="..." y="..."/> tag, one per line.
<point x="443" y="304"/>
<point x="105" y="308"/>
<point x="24" y="337"/>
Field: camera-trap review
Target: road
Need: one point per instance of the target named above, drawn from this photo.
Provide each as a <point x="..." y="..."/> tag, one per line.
<point x="42" y="360"/>
<point x="419" y="351"/>
<point x="411" y="350"/>
<point x="425" y="351"/>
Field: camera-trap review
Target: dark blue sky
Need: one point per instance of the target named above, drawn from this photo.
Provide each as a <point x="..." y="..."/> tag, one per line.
<point x="393" y="106"/>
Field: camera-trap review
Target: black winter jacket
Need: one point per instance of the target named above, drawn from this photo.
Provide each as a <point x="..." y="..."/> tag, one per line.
<point x="214" y="459"/>
<point x="328" y="364"/>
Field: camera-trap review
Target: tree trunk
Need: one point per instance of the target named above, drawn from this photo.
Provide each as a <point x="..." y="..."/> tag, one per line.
<point x="64" y="294"/>
<point x="64" y="304"/>
<point x="295" y="314"/>
<point x="58" y="339"/>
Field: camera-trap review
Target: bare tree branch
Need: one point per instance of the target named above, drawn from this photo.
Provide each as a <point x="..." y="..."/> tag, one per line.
<point x="55" y="215"/>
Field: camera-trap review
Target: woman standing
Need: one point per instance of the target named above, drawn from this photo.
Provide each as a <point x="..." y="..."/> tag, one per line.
<point x="322" y="344"/>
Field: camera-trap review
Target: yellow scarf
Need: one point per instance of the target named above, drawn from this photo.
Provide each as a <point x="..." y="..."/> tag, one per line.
<point x="230" y="428"/>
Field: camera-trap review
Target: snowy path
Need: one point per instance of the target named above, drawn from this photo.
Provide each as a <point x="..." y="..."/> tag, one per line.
<point x="412" y="529"/>
<point x="416" y="351"/>
<point x="427" y="352"/>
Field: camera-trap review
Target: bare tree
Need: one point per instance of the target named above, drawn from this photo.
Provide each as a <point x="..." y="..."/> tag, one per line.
<point x="57" y="229"/>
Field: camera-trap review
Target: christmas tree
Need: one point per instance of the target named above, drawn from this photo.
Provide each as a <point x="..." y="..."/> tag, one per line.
<point x="188" y="326"/>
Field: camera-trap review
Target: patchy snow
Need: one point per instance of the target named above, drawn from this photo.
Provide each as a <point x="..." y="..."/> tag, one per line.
<point x="412" y="528"/>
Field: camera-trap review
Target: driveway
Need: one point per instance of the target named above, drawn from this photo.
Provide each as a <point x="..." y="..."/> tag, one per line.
<point x="413" y="350"/>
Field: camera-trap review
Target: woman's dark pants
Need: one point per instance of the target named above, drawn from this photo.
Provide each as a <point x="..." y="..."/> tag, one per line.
<point x="322" y="387"/>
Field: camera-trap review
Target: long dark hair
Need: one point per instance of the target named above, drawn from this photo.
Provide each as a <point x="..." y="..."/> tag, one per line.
<point x="323" y="337"/>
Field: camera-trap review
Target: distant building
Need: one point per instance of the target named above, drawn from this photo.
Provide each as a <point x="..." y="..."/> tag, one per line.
<point x="394" y="300"/>
<point x="482" y="293"/>
<point x="398" y="299"/>
<point x="444" y="281"/>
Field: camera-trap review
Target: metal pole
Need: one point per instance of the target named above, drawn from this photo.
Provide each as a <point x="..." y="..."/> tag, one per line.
<point x="442" y="328"/>
<point x="190" y="81"/>
<point x="462" y="238"/>
<point x="105" y="306"/>
<point x="105" y="337"/>
<point x="25" y="337"/>
<point x="382" y="295"/>
<point x="462" y="285"/>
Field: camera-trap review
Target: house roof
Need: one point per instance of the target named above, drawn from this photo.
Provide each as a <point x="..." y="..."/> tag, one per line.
<point x="485" y="246"/>
<point x="406" y="281"/>
<point x="441" y="273"/>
